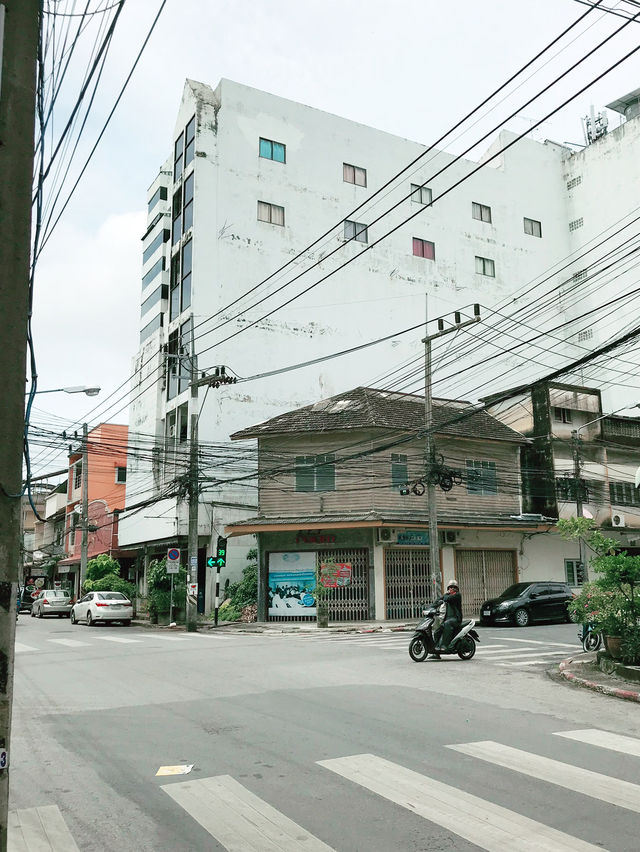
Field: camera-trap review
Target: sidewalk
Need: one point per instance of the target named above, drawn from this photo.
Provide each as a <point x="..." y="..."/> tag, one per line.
<point x="292" y="626"/>
<point x="597" y="671"/>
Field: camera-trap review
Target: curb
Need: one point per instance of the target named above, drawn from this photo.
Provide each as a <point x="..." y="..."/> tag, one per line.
<point x="626" y="694"/>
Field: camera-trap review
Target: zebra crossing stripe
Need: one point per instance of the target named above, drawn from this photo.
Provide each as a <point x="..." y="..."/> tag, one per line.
<point x="42" y="829"/>
<point x="238" y="819"/>
<point x="524" y="653"/>
<point x="121" y="639"/>
<point x="615" y="791"/>
<point x="604" y="739"/>
<point x="489" y="826"/>
<point x="70" y="643"/>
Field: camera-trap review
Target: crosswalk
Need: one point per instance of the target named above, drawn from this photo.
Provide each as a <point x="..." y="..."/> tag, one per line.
<point x="497" y="649"/>
<point x="242" y="821"/>
<point x="95" y="639"/>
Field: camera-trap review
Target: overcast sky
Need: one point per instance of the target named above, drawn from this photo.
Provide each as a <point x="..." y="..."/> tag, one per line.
<point x="411" y="67"/>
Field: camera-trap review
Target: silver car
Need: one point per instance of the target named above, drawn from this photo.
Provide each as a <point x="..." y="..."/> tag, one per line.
<point x="51" y="602"/>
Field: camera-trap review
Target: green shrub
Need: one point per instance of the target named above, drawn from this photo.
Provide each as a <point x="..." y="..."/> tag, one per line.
<point x="242" y="593"/>
<point x="159" y="587"/>
<point x="101" y="566"/>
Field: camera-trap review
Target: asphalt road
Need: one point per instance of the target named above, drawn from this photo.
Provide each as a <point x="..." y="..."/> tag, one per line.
<point x="306" y="742"/>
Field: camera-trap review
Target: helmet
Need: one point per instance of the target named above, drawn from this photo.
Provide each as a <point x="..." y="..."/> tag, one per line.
<point x="453" y="583"/>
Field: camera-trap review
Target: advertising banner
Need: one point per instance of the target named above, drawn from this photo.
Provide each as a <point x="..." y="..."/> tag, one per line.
<point x="292" y="584"/>
<point x="334" y="574"/>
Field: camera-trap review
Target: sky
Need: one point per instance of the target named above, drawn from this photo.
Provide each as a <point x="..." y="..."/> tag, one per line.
<point x="412" y="68"/>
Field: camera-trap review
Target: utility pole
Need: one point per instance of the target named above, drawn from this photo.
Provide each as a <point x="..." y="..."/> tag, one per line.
<point x="18" y="52"/>
<point x="576" y="441"/>
<point x="193" y="489"/>
<point x="84" y="545"/>
<point x="430" y="450"/>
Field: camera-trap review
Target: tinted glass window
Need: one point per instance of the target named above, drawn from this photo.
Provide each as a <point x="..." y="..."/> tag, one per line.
<point x="515" y="591"/>
<point x="114" y="596"/>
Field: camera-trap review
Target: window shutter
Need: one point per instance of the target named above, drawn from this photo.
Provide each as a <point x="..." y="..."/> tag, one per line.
<point x="326" y="472"/>
<point x="304" y="473"/>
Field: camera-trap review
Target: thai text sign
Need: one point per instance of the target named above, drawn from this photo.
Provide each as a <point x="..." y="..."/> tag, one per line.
<point x="334" y="574"/>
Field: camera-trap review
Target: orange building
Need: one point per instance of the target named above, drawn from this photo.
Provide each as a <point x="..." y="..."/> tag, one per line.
<point x="107" y="475"/>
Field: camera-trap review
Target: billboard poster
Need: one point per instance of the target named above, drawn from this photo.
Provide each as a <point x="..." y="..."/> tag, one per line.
<point x="292" y="584"/>
<point x="335" y="574"/>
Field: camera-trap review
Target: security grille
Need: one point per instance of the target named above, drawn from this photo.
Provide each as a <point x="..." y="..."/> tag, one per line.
<point x="346" y="603"/>
<point x="482" y="575"/>
<point x="407" y="586"/>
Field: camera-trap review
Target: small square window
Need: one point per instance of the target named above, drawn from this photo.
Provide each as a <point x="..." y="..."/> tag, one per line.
<point x="356" y="230"/>
<point x="485" y="266"/>
<point x="532" y="227"/>
<point x="270" y="150"/>
<point x="420" y="194"/>
<point x="562" y="415"/>
<point x="573" y="572"/>
<point x="354" y="174"/>
<point x="424" y="248"/>
<point x="480" y="212"/>
<point x="121" y="475"/>
<point x="271" y="213"/>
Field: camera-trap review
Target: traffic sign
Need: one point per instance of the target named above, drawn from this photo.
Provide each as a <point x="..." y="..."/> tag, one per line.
<point x="173" y="554"/>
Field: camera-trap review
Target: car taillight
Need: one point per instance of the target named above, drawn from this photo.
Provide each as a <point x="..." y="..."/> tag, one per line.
<point x="105" y="603"/>
<point x="44" y="600"/>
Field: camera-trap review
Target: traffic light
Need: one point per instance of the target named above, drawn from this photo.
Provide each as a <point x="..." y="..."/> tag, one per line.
<point x="220" y="559"/>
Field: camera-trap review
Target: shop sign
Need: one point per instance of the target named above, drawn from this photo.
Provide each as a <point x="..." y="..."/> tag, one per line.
<point x="334" y="574"/>
<point x="315" y="538"/>
<point x="414" y="537"/>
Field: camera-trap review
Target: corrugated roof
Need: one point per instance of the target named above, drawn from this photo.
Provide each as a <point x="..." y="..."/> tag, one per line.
<point x="369" y="408"/>
<point x="455" y="519"/>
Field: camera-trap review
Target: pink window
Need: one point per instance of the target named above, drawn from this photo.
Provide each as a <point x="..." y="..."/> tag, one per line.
<point x="424" y="248"/>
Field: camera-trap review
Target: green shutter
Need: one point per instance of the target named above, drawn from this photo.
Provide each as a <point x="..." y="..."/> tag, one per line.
<point x="399" y="470"/>
<point x="326" y="472"/>
<point x="304" y="473"/>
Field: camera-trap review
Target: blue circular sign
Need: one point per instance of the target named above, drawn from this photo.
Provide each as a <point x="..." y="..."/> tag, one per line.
<point x="308" y="600"/>
<point x="173" y="554"/>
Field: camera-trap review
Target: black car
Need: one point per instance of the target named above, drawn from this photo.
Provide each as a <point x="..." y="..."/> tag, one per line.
<point x="523" y="603"/>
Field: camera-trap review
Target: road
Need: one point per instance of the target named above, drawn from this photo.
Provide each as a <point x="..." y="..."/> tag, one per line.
<point x="307" y="742"/>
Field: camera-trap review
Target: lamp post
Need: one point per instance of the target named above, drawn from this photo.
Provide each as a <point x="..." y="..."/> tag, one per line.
<point x="577" y="482"/>
<point x="89" y="391"/>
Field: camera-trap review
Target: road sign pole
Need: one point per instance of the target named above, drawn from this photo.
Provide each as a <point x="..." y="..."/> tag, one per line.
<point x="171" y="603"/>
<point x="219" y="561"/>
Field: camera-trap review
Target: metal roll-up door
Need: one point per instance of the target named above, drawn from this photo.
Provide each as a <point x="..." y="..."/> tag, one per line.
<point x="407" y="584"/>
<point x="482" y="575"/>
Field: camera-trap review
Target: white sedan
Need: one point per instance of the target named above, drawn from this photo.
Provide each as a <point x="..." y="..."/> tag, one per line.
<point x="95" y="607"/>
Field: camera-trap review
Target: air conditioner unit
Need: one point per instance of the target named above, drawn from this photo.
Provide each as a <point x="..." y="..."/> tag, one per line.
<point x="385" y="535"/>
<point x="449" y="536"/>
<point x="617" y="519"/>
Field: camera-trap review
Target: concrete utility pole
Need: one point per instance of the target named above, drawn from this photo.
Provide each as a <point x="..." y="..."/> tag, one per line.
<point x="576" y="441"/>
<point x="84" y="545"/>
<point x="193" y="490"/>
<point x="18" y="53"/>
<point x="430" y="450"/>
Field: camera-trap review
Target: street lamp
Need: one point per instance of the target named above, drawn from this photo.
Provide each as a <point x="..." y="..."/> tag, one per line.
<point x="577" y="483"/>
<point x="89" y="391"/>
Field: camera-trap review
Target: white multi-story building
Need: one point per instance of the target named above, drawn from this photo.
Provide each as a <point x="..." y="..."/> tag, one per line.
<point x="252" y="181"/>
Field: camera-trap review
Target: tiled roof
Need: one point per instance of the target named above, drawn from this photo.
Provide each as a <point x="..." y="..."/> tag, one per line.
<point x="368" y="408"/>
<point x="398" y="519"/>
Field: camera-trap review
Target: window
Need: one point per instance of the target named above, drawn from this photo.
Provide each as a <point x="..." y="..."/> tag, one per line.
<point x="270" y="213"/>
<point x="562" y="415"/>
<point x="532" y="227"/>
<point x="77" y="476"/>
<point x="399" y="470"/>
<point x="72" y="528"/>
<point x="187" y="255"/>
<point x="481" y="477"/>
<point x="160" y="238"/>
<point x="189" y="141"/>
<point x="356" y="230"/>
<point x="187" y="205"/>
<point x="178" y="157"/>
<point x="159" y="195"/>
<point x="420" y="194"/>
<point x="176" y="217"/>
<point x="573" y="571"/>
<point x="184" y="357"/>
<point x="484" y="266"/>
<point x="354" y="174"/>
<point x="155" y="270"/>
<point x="152" y="326"/>
<point x="424" y="248"/>
<point x="566" y="489"/>
<point x="172" y="369"/>
<point x="121" y="475"/>
<point x="316" y="473"/>
<point x="624" y="494"/>
<point x="158" y="294"/>
<point x="480" y="212"/>
<point x="271" y="150"/>
<point x="577" y="223"/>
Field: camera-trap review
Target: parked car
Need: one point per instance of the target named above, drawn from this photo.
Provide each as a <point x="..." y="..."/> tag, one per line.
<point x="523" y="603"/>
<point x="51" y="602"/>
<point x="95" y="607"/>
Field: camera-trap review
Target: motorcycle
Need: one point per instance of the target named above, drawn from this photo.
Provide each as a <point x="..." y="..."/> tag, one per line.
<point x="423" y="643"/>
<point x="591" y="638"/>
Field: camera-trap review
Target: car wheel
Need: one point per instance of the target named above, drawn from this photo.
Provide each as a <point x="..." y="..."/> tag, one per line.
<point x="521" y="617"/>
<point x="72" y="617"/>
<point x="126" y="622"/>
<point x="90" y="621"/>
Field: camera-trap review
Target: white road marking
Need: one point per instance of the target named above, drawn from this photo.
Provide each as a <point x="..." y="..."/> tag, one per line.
<point x="170" y="638"/>
<point x="20" y="648"/>
<point x="604" y="739"/>
<point x="489" y="826"/>
<point x="39" y="830"/>
<point x="526" y="652"/>
<point x="506" y="650"/>
<point x="538" y="642"/>
<point x="615" y="791"/>
<point x="70" y="643"/>
<point x="525" y="663"/>
<point x="238" y="819"/>
<point x="122" y="639"/>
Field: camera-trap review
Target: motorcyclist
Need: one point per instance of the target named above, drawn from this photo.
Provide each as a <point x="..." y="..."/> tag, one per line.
<point x="453" y="617"/>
